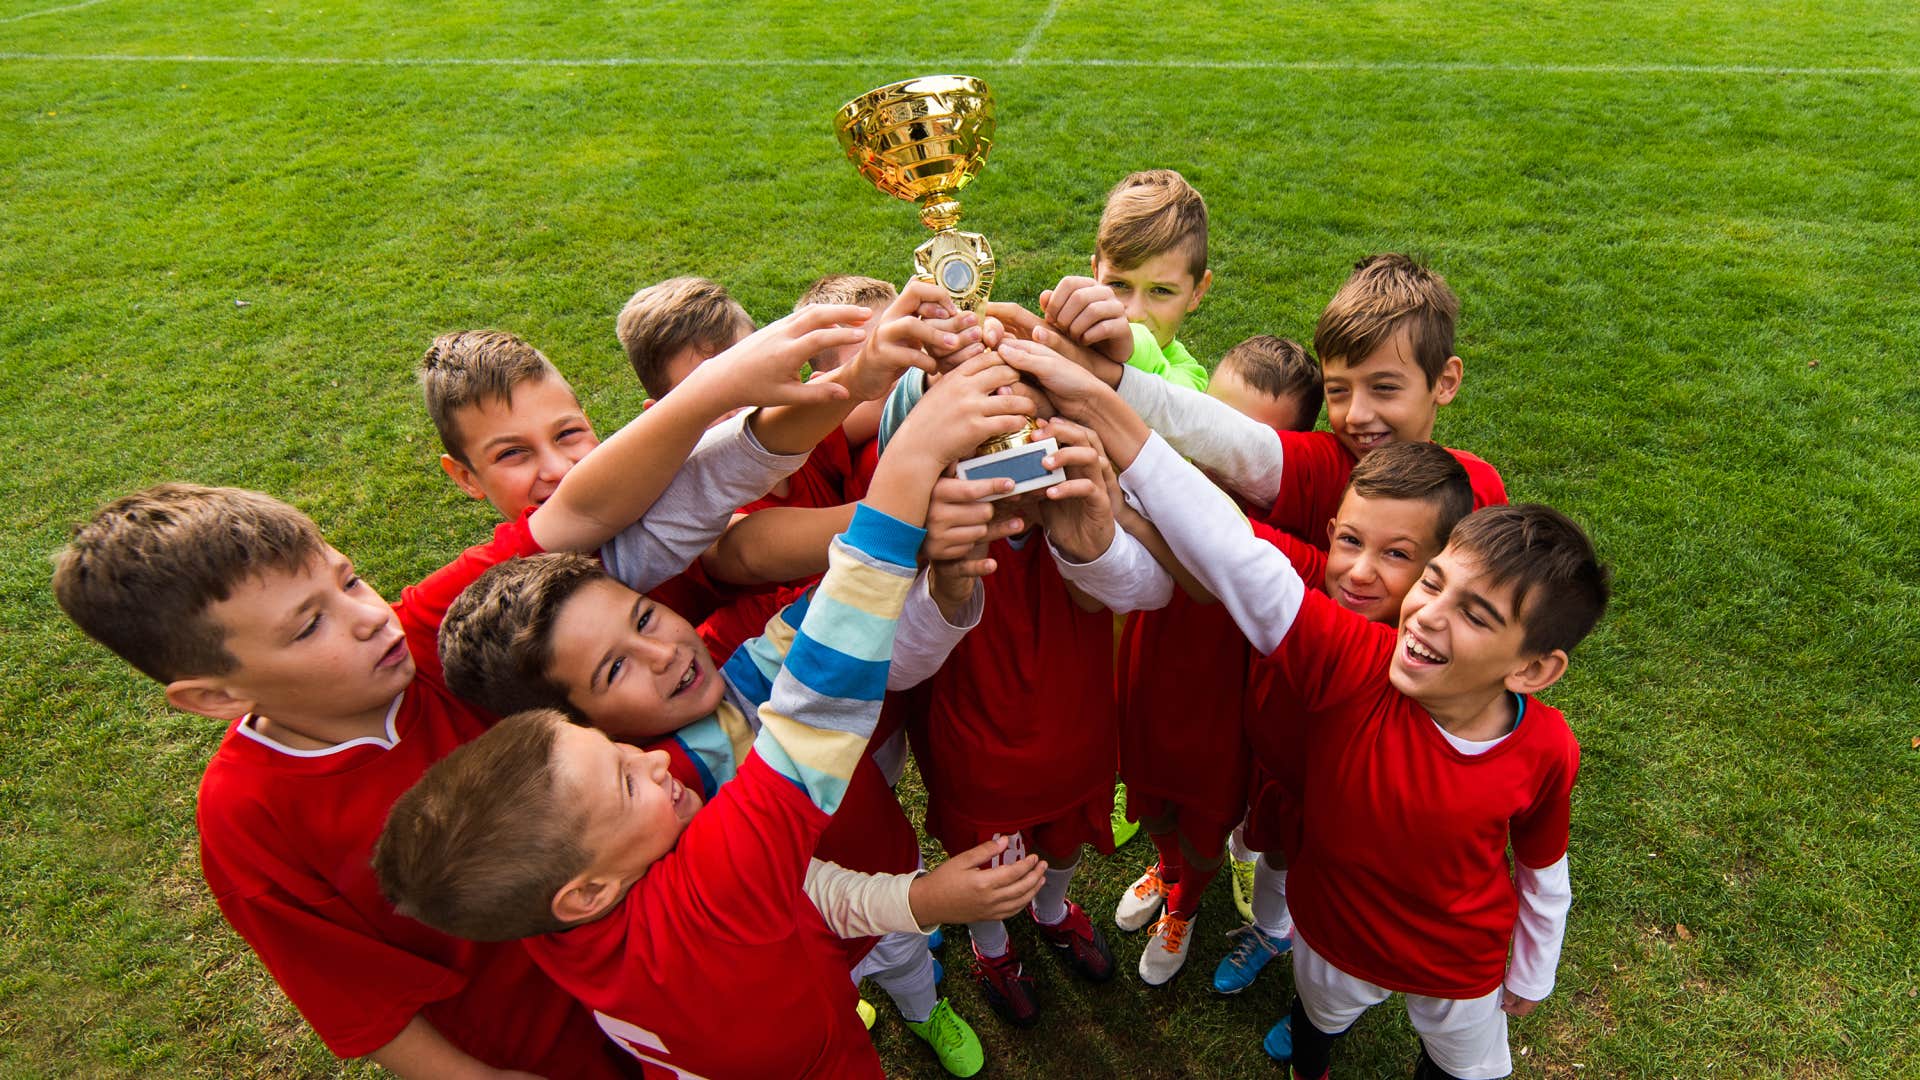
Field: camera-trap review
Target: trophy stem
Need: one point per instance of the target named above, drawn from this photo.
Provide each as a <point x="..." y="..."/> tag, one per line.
<point x="940" y="212"/>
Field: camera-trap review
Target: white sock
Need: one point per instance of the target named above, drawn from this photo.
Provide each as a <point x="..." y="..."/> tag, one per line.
<point x="1237" y="844"/>
<point x="989" y="938"/>
<point x="1270" y="912"/>
<point x="910" y="985"/>
<point x="1050" y="906"/>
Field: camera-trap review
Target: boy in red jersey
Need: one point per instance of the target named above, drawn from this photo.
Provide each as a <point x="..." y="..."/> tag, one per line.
<point x="1430" y="755"/>
<point x="1182" y="750"/>
<point x="579" y="840"/>
<point x="1015" y="734"/>
<point x="1385" y="344"/>
<point x="236" y="603"/>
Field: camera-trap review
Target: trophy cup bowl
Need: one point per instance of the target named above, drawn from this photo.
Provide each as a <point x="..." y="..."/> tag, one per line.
<point x="923" y="140"/>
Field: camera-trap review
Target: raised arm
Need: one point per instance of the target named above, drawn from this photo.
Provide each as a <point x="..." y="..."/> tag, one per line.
<point x="614" y="486"/>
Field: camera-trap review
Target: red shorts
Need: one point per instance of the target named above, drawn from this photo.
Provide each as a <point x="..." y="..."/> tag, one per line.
<point x="1273" y="817"/>
<point x="1205" y="834"/>
<point x="1088" y="822"/>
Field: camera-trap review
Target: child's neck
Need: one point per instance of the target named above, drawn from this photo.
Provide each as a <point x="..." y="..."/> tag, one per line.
<point x="1478" y="717"/>
<point x="320" y="731"/>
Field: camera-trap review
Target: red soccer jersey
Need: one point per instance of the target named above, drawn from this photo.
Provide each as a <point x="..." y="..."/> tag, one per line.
<point x="1276" y="732"/>
<point x="1019" y="724"/>
<point x="285" y="844"/>
<point x="822" y="481"/>
<point x="1317" y="470"/>
<point x="715" y="933"/>
<point x="1402" y="878"/>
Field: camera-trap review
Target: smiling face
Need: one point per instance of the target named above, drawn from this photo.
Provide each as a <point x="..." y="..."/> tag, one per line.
<point x="1376" y="549"/>
<point x="1461" y="637"/>
<point x="518" y="450"/>
<point x="632" y="809"/>
<point x="1160" y="292"/>
<point x="632" y="667"/>
<point x="1384" y="396"/>
<point x="318" y="641"/>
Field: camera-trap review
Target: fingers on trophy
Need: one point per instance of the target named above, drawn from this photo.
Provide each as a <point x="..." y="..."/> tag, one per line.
<point x="923" y="140"/>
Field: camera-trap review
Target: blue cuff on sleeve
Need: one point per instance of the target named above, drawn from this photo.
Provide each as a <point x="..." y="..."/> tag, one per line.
<point x="883" y="536"/>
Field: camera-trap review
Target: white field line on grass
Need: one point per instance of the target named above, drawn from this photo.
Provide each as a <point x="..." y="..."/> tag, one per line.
<point x="1033" y="36"/>
<point x="1335" y="66"/>
<point x="51" y="11"/>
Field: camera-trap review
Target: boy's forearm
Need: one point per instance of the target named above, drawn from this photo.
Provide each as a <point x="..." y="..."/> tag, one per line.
<point x="1125" y="577"/>
<point x="779" y="543"/>
<point x="1241" y="451"/>
<point x="1143" y="530"/>
<point x="902" y="486"/>
<point x="420" y="1052"/>
<point x="796" y="429"/>
<point x="1206" y="531"/>
<point x="856" y="905"/>
<point x="930" y="627"/>
<point x="825" y="700"/>
<point x="612" y="487"/>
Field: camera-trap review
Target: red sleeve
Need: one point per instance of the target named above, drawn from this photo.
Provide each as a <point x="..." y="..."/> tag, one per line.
<point x="1308" y="561"/>
<point x="423" y="607"/>
<point x="1331" y="654"/>
<point x="1488" y="489"/>
<point x="356" y="988"/>
<point x="1315" y="476"/>
<point x="744" y="855"/>
<point x="1541" y="831"/>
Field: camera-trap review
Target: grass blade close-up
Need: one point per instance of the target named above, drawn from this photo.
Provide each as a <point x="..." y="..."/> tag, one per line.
<point x="1684" y="241"/>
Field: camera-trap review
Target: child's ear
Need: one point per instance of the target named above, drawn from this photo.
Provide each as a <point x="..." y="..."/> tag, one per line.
<point x="1093" y="265"/>
<point x="1200" y="292"/>
<point x="585" y="897"/>
<point x="461" y="475"/>
<point x="207" y="696"/>
<point x="1538" y="673"/>
<point x="1447" y="383"/>
<point x="1331" y="524"/>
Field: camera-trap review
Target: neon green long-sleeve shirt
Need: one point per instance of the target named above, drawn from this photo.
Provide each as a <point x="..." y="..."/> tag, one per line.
<point x="1173" y="363"/>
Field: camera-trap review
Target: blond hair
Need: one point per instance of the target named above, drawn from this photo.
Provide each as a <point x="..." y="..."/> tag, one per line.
<point x="472" y="367"/>
<point x="848" y="289"/>
<point x="1383" y="294"/>
<point x="1149" y="213"/>
<point x="139" y="577"/>
<point x="662" y="320"/>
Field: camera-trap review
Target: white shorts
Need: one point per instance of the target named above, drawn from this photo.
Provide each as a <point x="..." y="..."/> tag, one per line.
<point x="1467" y="1038"/>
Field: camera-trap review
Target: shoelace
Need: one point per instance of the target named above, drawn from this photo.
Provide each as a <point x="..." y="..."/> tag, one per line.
<point x="1251" y="940"/>
<point x="1175" y="929"/>
<point x="1149" y="884"/>
<point x="946" y="1027"/>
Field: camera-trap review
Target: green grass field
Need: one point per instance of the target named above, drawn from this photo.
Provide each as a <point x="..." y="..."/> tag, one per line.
<point x="1684" y="240"/>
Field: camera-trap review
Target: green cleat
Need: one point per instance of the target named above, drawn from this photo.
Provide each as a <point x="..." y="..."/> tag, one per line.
<point x="1124" y="828"/>
<point x="952" y="1039"/>
<point x="1243" y="887"/>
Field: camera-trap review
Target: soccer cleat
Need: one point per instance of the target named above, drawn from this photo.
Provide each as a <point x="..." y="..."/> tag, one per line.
<point x="1166" y="951"/>
<point x="867" y="1015"/>
<point x="1252" y="949"/>
<point x="1279" y="1042"/>
<point x="1007" y="986"/>
<point x="936" y="939"/>
<point x="952" y="1039"/>
<point x="1076" y="936"/>
<point x="1124" y="828"/>
<point x="1242" y="872"/>
<point x="1141" y="901"/>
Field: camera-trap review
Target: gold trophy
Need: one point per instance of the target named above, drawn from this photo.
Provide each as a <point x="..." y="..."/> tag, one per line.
<point x="923" y="140"/>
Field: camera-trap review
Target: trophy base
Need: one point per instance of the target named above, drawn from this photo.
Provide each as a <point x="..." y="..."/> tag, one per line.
<point x="1021" y="464"/>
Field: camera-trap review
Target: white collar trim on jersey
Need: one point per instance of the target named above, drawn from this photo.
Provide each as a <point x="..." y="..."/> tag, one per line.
<point x="388" y="743"/>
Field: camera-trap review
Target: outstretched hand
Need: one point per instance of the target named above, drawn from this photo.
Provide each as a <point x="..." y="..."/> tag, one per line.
<point x="764" y="367"/>
<point x="920" y="323"/>
<point x="970" y="888"/>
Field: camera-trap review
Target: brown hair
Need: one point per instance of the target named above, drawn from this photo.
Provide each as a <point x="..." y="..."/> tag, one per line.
<point x="1541" y="553"/>
<point x="471" y="367"/>
<point x="1149" y="213"/>
<point x="496" y="643"/>
<point x="1278" y="367"/>
<point x="848" y="289"/>
<point x="480" y="845"/>
<point x="139" y="577"/>
<point x="679" y="313"/>
<point x="1383" y="294"/>
<point x="1426" y="472"/>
